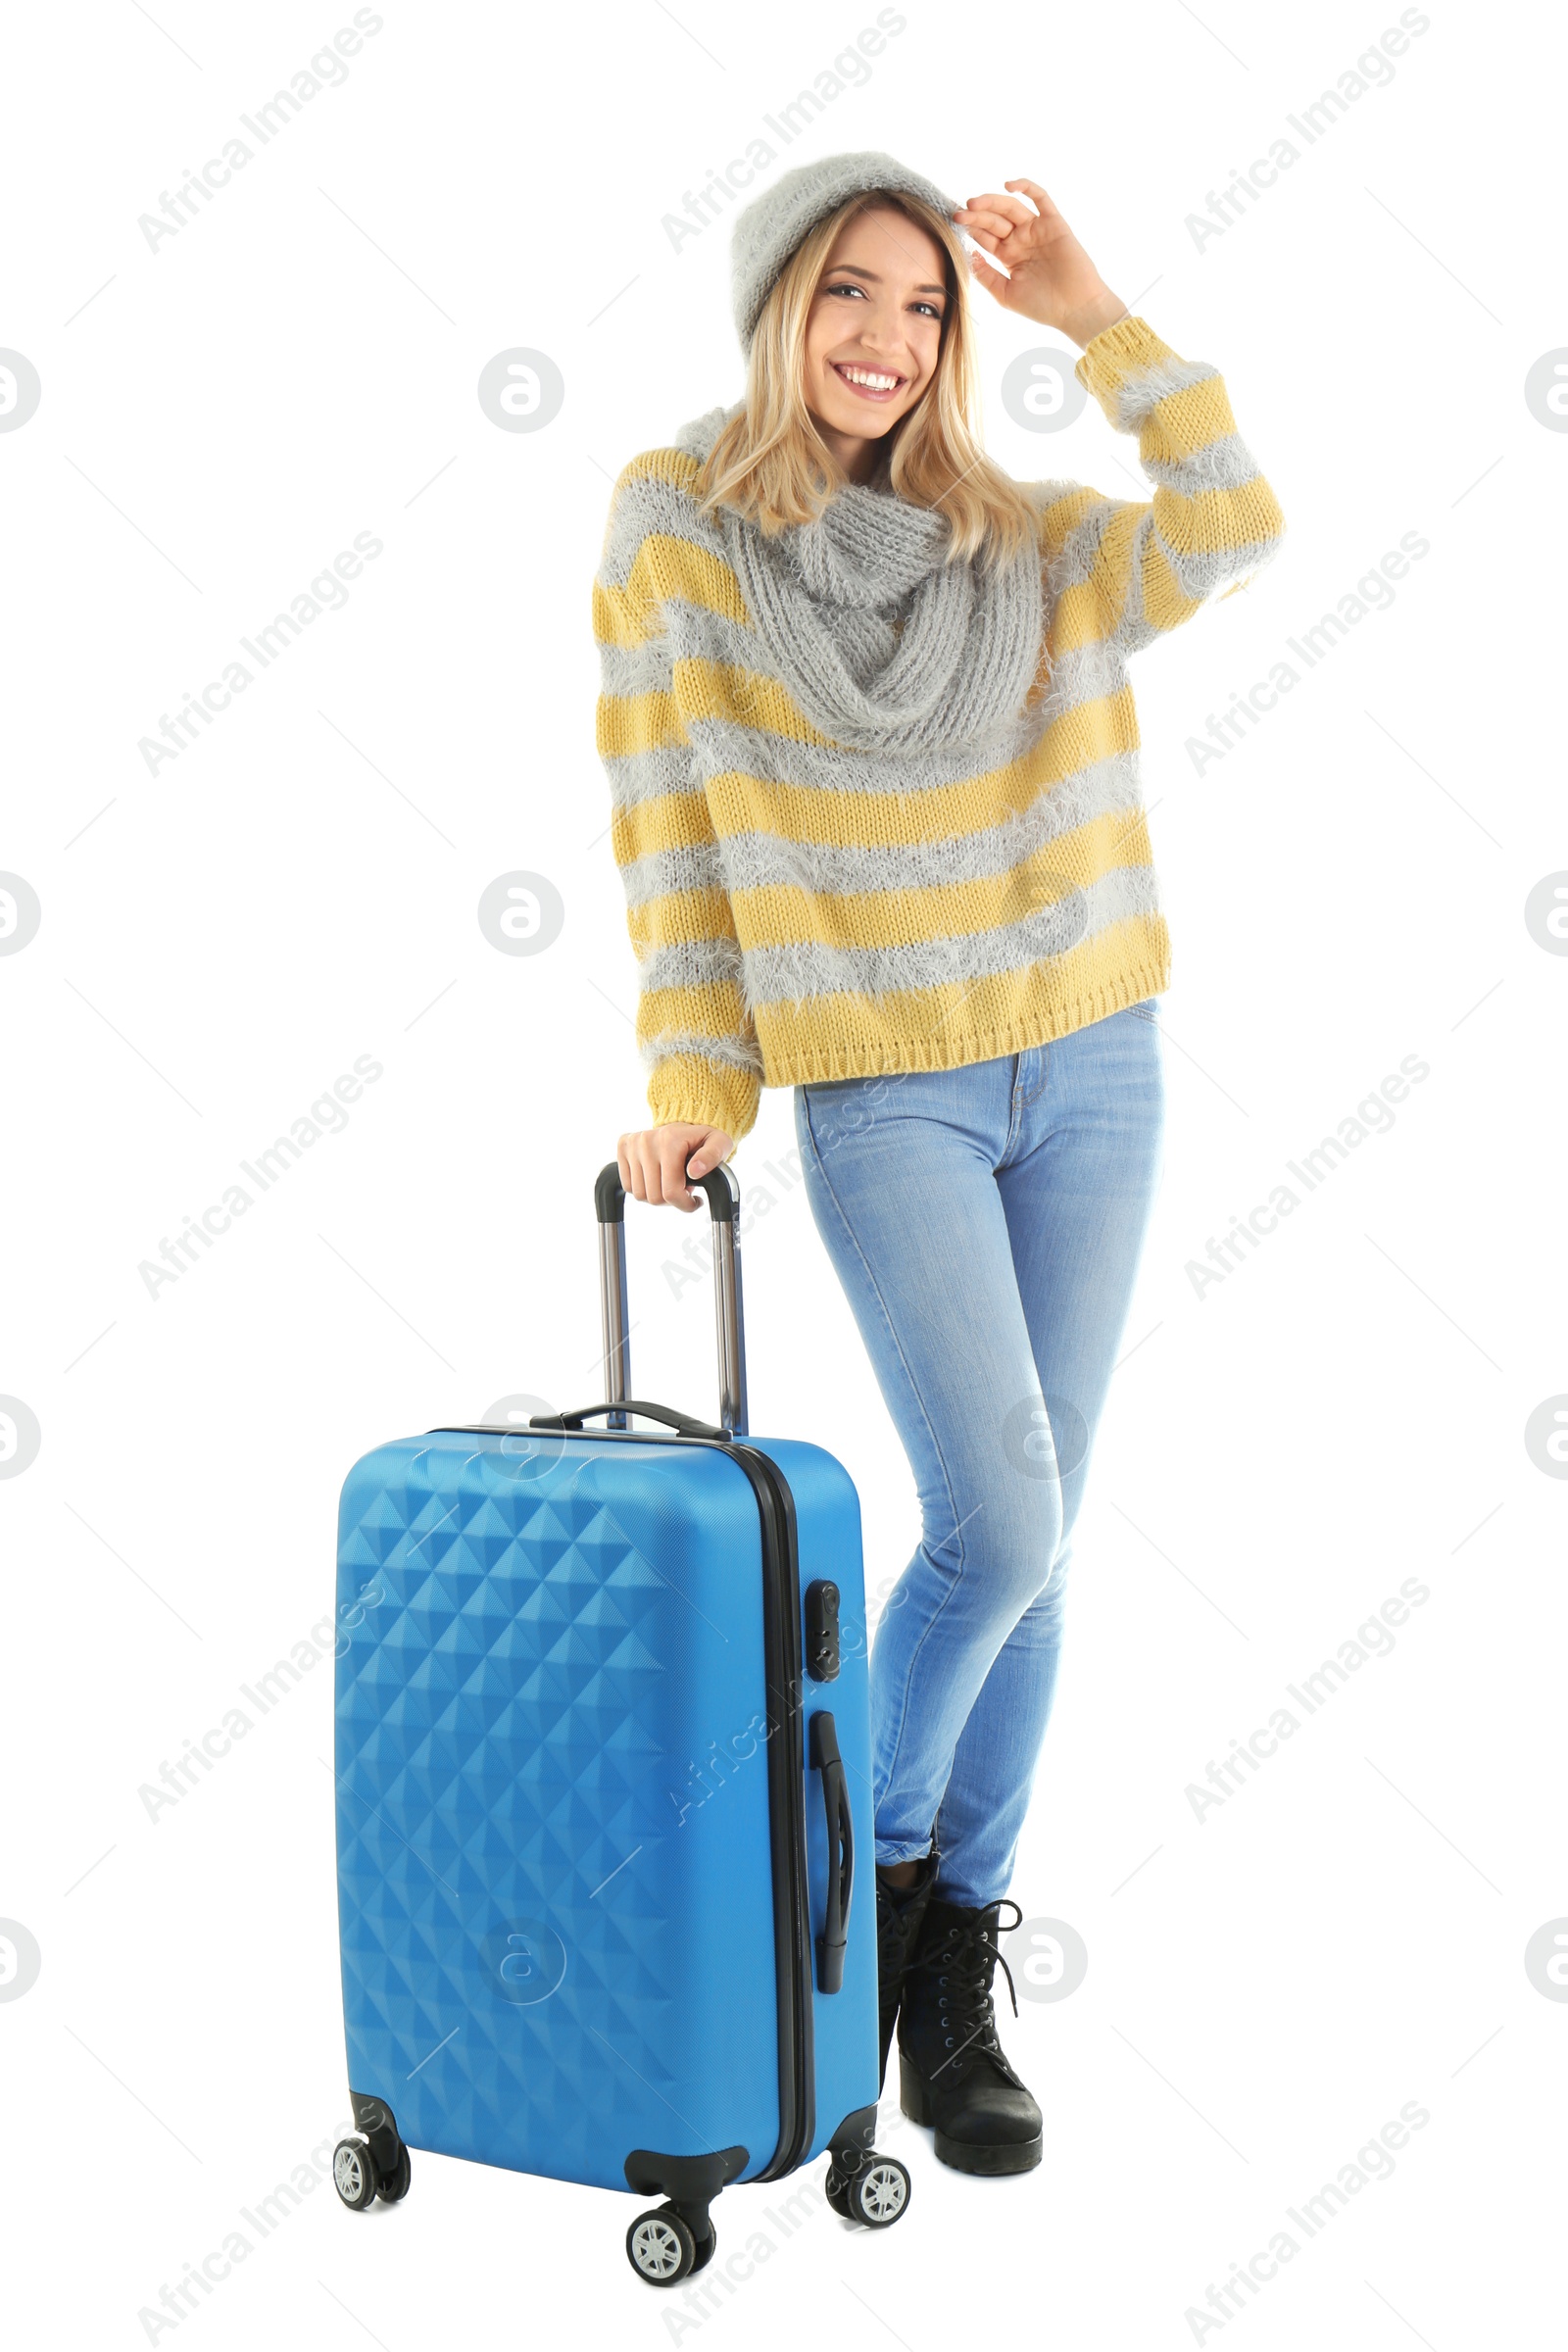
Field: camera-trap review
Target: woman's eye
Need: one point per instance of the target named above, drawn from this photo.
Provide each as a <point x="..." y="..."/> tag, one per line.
<point x="926" y="310"/>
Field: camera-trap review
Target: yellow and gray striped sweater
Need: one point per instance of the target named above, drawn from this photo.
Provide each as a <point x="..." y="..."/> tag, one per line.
<point x="801" y="911"/>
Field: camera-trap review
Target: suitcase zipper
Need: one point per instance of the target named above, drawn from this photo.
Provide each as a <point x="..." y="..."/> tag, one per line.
<point x="792" y="1910"/>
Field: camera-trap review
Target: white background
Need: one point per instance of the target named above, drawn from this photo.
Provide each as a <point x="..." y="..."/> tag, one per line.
<point x="1347" y="1932"/>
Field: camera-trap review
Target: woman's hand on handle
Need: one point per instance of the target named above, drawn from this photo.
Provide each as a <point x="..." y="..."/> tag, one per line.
<point x="1049" y="278"/>
<point x="654" y="1162"/>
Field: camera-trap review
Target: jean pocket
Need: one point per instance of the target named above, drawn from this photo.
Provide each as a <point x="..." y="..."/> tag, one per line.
<point x="1148" y="1010"/>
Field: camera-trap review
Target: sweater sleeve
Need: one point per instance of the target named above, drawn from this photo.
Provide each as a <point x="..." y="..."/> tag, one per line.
<point x="1212" y="522"/>
<point x="694" y="1030"/>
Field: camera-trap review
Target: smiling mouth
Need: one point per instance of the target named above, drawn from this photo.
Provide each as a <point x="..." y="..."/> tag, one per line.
<point x="872" y="383"/>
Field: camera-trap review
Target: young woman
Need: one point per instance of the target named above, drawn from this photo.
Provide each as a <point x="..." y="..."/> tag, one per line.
<point x="872" y="755"/>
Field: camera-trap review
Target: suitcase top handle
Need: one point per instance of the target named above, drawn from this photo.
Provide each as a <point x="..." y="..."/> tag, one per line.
<point x="723" y="1206"/>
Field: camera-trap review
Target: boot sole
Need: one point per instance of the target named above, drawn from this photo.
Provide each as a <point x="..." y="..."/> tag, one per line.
<point x="964" y="2155"/>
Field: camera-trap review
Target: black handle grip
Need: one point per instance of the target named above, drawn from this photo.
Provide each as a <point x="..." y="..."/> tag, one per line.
<point x="609" y="1196"/>
<point x="683" y="1422"/>
<point x="833" y="1942"/>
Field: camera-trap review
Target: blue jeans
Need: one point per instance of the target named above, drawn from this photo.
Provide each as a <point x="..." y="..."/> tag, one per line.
<point x="986" y="1224"/>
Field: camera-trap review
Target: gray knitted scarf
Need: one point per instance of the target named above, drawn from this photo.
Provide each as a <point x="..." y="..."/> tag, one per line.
<point x="883" y="645"/>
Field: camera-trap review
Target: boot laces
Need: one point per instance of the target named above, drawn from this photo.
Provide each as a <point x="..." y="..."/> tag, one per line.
<point x="963" y="1963"/>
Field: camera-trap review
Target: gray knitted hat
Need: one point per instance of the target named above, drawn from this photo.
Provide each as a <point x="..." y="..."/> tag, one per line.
<point x="773" y="223"/>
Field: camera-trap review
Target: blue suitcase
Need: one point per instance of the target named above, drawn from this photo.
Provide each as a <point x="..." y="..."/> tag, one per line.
<point x="603" y="1775"/>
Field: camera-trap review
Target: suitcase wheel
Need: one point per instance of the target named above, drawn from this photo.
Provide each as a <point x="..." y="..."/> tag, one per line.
<point x="876" y="2193"/>
<point x="359" y="2180"/>
<point x="354" y="2175"/>
<point x="662" y="2249"/>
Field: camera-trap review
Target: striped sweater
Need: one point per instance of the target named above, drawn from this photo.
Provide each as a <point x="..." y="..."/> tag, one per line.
<point x="801" y="911"/>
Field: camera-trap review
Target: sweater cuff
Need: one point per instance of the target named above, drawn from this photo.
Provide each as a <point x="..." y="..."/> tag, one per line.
<point x="691" y="1091"/>
<point x="1130" y="347"/>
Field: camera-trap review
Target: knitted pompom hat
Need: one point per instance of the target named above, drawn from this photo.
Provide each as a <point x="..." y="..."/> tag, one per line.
<point x="773" y="223"/>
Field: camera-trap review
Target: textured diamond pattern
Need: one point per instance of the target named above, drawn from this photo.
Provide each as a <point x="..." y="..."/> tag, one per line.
<point x="544" y="1965"/>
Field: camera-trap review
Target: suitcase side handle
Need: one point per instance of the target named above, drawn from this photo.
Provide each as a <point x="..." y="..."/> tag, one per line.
<point x="723" y="1209"/>
<point x="834" y="1938"/>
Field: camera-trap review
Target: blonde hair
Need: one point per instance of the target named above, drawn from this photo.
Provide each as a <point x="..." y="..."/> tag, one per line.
<point x="771" y="464"/>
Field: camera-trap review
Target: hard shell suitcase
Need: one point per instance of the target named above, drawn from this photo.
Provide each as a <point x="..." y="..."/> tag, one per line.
<point x="604" y="1795"/>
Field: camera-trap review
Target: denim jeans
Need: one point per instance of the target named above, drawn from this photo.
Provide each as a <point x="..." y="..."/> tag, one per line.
<point x="986" y="1224"/>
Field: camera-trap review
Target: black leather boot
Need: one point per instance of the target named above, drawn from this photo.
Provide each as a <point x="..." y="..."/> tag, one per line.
<point x="899" y="1913"/>
<point x="952" y="2071"/>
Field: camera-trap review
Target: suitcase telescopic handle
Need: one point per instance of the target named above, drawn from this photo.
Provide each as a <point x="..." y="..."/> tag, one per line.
<point x="833" y="1942"/>
<point x="723" y="1209"/>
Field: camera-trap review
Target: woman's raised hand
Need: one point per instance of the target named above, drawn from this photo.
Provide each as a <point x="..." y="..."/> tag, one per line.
<point x="654" y="1161"/>
<point x="1049" y="278"/>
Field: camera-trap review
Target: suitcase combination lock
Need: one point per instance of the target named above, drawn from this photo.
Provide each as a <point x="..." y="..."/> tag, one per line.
<point x="822" y="1631"/>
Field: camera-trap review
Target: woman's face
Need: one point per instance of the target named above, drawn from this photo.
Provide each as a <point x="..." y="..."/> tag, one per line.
<point x="874" y="329"/>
